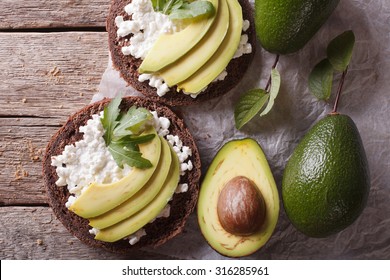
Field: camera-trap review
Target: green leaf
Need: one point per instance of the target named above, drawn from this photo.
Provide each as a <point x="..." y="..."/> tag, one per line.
<point x="273" y="93"/>
<point x="184" y="9"/>
<point x="122" y="133"/>
<point x="158" y="5"/>
<point x="321" y="80"/>
<point x="340" y="50"/>
<point x="123" y="155"/>
<point x="132" y="141"/>
<point x="132" y="122"/>
<point x="193" y="10"/>
<point x="249" y="105"/>
<point x="110" y="116"/>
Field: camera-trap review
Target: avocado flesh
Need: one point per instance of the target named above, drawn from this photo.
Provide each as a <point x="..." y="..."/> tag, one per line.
<point x="326" y="181"/>
<point x="149" y="212"/>
<point x="101" y="198"/>
<point x="286" y="26"/>
<point x="221" y="58"/>
<point x="168" y="48"/>
<point x="237" y="158"/>
<point x="201" y="52"/>
<point x="142" y="197"/>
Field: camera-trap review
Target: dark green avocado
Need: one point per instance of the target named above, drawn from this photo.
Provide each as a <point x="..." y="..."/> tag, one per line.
<point x="326" y="181"/>
<point x="285" y="26"/>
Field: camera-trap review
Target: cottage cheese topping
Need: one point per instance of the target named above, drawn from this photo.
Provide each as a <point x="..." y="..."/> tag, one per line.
<point x="146" y="26"/>
<point x="89" y="160"/>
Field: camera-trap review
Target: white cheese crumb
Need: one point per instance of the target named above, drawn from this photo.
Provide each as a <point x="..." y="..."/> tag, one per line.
<point x="165" y="212"/>
<point x="244" y="47"/>
<point x="181" y="188"/>
<point x="93" y="231"/>
<point x="245" y="25"/>
<point x="135" y="237"/>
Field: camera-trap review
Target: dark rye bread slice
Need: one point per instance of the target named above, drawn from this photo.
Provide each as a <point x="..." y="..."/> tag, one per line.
<point x="128" y="65"/>
<point x="162" y="229"/>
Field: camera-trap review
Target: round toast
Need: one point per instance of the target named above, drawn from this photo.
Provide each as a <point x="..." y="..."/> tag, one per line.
<point x="162" y="229"/>
<point x="128" y="65"/>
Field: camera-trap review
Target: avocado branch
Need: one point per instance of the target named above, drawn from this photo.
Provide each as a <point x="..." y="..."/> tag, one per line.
<point x="339" y="90"/>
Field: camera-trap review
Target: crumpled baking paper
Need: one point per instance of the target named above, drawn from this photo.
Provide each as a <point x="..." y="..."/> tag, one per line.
<point x="365" y="98"/>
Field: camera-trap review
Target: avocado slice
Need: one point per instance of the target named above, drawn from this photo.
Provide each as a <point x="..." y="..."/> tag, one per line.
<point x="142" y="197"/>
<point x="326" y="181"/>
<point x="237" y="158"/>
<point x="149" y="212"/>
<point x="286" y="26"/>
<point x="221" y="58"/>
<point x="101" y="198"/>
<point x="168" y="48"/>
<point x="201" y="52"/>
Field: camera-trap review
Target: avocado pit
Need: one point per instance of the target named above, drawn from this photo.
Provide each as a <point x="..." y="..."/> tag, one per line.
<point x="241" y="207"/>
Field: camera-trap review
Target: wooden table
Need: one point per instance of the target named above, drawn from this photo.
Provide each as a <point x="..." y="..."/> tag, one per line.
<point x="52" y="56"/>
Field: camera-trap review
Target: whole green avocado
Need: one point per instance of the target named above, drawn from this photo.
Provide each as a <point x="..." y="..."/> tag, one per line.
<point x="285" y="26"/>
<point x="326" y="181"/>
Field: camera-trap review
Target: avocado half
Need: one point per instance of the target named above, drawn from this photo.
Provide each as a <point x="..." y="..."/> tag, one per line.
<point x="236" y="158"/>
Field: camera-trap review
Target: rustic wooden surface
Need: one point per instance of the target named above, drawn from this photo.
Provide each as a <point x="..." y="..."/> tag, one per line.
<point x="52" y="56"/>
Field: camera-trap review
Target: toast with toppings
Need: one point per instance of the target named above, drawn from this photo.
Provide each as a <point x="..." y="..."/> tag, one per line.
<point x="183" y="76"/>
<point x="158" y="230"/>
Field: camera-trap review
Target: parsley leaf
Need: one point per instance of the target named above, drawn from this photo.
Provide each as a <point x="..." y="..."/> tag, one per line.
<point x="184" y="9"/>
<point x="109" y="120"/>
<point x="192" y="10"/>
<point x="122" y="154"/>
<point x="132" y="122"/>
<point x="123" y="133"/>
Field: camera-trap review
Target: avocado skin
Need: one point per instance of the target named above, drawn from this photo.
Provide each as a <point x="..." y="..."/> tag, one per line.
<point x="326" y="181"/>
<point x="285" y="26"/>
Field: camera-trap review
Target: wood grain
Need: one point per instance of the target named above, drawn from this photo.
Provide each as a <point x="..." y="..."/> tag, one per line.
<point x="44" y="78"/>
<point x="35" y="233"/>
<point x="53" y="14"/>
<point x="45" y="74"/>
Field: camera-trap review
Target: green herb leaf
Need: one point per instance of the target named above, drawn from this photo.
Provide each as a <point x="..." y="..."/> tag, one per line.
<point x="122" y="133"/>
<point x="273" y="93"/>
<point x="184" y="9"/>
<point x="340" y="50"/>
<point x="321" y="80"/>
<point x="132" y="141"/>
<point x="249" y="105"/>
<point x="132" y="122"/>
<point x="158" y="5"/>
<point x="123" y="154"/>
<point x="109" y="120"/>
<point x="192" y="10"/>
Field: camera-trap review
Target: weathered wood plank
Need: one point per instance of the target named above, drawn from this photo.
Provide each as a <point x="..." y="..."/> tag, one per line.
<point x="44" y="78"/>
<point x="35" y="233"/>
<point x="51" y="14"/>
<point x="22" y="144"/>
<point x="50" y="74"/>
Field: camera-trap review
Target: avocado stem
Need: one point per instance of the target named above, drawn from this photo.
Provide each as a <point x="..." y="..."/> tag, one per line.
<point x="339" y="90"/>
<point x="269" y="79"/>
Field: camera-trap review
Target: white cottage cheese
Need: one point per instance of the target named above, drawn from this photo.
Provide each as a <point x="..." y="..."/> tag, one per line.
<point x="146" y="26"/>
<point x="89" y="160"/>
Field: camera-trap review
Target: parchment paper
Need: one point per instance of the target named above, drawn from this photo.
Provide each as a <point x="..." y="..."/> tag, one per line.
<point x="365" y="98"/>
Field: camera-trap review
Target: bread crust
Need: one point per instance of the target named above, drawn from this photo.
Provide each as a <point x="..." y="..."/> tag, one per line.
<point x="158" y="232"/>
<point x="128" y="65"/>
